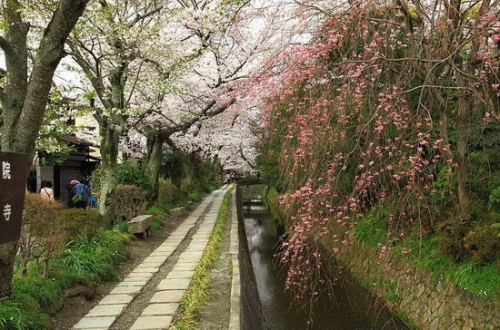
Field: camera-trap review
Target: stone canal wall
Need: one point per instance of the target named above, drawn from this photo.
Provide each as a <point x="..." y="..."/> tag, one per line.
<point x="427" y="301"/>
<point x="251" y="311"/>
<point x="422" y="298"/>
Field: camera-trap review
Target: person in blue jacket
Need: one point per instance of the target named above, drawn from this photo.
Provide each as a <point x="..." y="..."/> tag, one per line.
<point x="75" y="187"/>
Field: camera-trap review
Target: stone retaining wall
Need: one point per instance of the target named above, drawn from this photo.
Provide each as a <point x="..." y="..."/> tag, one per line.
<point x="419" y="296"/>
<point x="422" y="298"/>
<point x="251" y="310"/>
<point x="425" y="300"/>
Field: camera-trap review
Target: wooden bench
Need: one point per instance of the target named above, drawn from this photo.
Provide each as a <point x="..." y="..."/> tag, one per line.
<point x="141" y="225"/>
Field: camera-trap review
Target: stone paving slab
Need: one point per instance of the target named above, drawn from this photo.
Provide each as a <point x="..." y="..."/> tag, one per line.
<point x="174" y="284"/>
<point x="139" y="276"/>
<point x="107" y="310"/>
<point x="186" y="266"/>
<point x="146" y="268"/>
<point x="154" y="260"/>
<point x="177" y="273"/>
<point x="164" y="250"/>
<point x="152" y="322"/>
<point x="116" y="299"/>
<point x="161" y="309"/>
<point x="130" y="289"/>
<point x="191" y="255"/>
<point x="88" y="323"/>
<point x="168" y="296"/>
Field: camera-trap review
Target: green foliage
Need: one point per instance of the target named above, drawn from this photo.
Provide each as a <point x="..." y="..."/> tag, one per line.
<point x="130" y="172"/>
<point x="97" y="257"/>
<point x="46" y="292"/>
<point x="88" y="259"/>
<point x="169" y="195"/>
<point x="173" y="167"/>
<point x="208" y="175"/>
<point x="496" y="228"/>
<point x="482" y="244"/>
<point x="22" y="313"/>
<point x="127" y="202"/>
<point x="157" y="223"/>
<point x="268" y="165"/>
<point x="371" y="230"/>
<point x="482" y="280"/>
<point x="41" y="234"/>
<point x="78" y="221"/>
<point x="494" y="199"/>
<point x="194" y="197"/>
<point x="478" y="279"/>
<point x="190" y="173"/>
<point x="122" y="227"/>
<point x="156" y="210"/>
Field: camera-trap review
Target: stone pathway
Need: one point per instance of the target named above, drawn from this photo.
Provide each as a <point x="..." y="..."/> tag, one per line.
<point x="170" y="290"/>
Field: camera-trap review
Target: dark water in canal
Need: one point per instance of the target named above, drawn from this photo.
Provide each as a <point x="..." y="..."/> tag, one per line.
<point x="352" y="307"/>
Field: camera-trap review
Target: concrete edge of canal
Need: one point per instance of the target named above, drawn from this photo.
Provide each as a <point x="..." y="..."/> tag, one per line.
<point x="235" y="310"/>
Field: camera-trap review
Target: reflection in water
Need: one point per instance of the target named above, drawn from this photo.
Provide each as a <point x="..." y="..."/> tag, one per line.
<point x="351" y="309"/>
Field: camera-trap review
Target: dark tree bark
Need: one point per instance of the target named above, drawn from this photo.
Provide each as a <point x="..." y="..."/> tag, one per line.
<point x="26" y="94"/>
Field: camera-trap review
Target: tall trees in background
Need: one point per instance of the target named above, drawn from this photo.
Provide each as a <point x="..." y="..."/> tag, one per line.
<point x="205" y="85"/>
<point x="169" y="64"/>
<point x="32" y="53"/>
<point x="384" y="111"/>
<point x="111" y="46"/>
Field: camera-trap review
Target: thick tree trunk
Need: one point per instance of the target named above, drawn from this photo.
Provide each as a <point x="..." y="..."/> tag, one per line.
<point x="110" y="137"/>
<point x="24" y="100"/>
<point x="153" y="160"/>
<point x="7" y="255"/>
<point x="110" y="129"/>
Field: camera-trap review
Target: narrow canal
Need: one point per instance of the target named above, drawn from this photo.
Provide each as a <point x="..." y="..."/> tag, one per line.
<point x="352" y="307"/>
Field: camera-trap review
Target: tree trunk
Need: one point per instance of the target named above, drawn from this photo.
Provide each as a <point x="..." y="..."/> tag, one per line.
<point x="7" y="255"/>
<point x="110" y="138"/>
<point x="153" y="159"/>
<point x="110" y="129"/>
<point x="465" y="113"/>
<point x="24" y="100"/>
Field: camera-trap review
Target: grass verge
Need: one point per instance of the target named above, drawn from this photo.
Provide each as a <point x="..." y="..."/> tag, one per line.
<point x="197" y="293"/>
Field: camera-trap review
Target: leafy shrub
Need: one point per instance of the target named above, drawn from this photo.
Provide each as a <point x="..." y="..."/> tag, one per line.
<point x="173" y="167"/>
<point x="194" y="197"/>
<point x="482" y="244"/>
<point x="78" y="221"/>
<point x="41" y="235"/>
<point x="477" y="243"/>
<point x="130" y="172"/>
<point x="156" y="210"/>
<point x="127" y="202"/>
<point x="168" y="194"/>
<point x="209" y="174"/>
<point x="451" y="240"/>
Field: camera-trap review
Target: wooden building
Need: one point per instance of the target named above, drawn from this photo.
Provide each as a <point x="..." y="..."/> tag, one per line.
<point x="79" y="165"/>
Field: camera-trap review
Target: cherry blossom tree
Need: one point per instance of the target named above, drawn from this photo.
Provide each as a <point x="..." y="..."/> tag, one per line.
<point x="141" y="60"/>
<point x="208" y="87"/>
<point x="32" y="53"/>
<point x="219" y="32"/>
<point x="112" y="46"/>
<point x="375" y="116"/>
